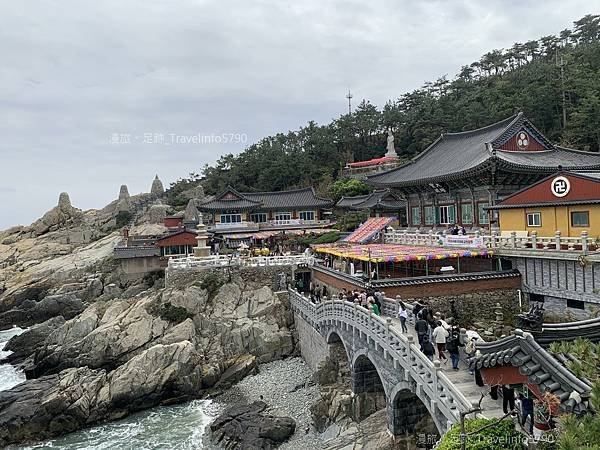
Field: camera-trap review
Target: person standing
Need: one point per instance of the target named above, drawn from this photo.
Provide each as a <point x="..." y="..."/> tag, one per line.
<point x="422" y="329"/>
<point x="452" y="345"/>
<point x="402" y="315"/>
<point x="440" y="334"/>
<point x="427" y="348"/>
<point x="527" y="411"/>
<point x="508" y="398"/>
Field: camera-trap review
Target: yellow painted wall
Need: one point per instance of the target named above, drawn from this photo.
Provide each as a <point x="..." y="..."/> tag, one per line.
<point x="553" y="219"/>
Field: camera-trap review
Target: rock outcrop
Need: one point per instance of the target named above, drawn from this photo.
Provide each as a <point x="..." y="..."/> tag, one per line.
<point x="110" y="354"/>
<point x="57" y="404"/>
<point x="28" y="342"/>
<point x="62" y="215"/>
<point x="250" y="427"/>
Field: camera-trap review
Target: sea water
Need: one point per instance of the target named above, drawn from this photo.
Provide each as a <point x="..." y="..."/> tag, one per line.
<point x="9" y="376"/>
<point x="179" y="427"/>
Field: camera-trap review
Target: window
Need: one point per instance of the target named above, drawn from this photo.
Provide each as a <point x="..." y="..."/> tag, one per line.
<point x="258" y="217"/>
<point x="580" y="219"/>
<point x="534" y="219"/>
<point x="429" y="215"/>
<point x="483" y="214"/>
<point x="416" y="215"/>
<point x="447" y="214"/>
<point x="575" y="304"/>
<point x="307" y="215"/>
<point x="536" y="297"/>
<point x="231" y="218"/>
<point x="283" y="216"/>
<point x="466" y="210"/>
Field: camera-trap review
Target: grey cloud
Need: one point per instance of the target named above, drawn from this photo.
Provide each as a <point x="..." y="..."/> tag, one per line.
<point x="74" y="72"/>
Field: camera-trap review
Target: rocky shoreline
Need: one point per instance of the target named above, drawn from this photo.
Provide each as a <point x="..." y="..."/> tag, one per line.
<point x="287" y="387"/>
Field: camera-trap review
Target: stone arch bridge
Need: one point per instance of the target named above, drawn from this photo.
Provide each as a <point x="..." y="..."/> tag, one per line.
<point x="381" y="357"/>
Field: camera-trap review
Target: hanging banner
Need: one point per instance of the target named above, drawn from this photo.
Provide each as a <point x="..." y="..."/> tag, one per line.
<point x="452" y="240"/>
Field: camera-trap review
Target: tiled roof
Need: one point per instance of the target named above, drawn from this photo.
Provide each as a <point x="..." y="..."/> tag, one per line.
<point x="541" y="368"/>
<point x="378" y="199"/>
<point x="569" y="331"/>
<point x="231" y="199"/>
<point x="455" y="155"/>
<point x="346" y="202"/>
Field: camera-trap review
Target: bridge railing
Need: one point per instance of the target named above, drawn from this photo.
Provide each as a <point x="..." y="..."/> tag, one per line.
<point x="443" y="395"/>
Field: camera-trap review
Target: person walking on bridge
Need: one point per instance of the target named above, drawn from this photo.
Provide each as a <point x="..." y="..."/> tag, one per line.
<point x="422" y="329"/>
<point x="440" y="334"/>
<point x="403" y="315"/>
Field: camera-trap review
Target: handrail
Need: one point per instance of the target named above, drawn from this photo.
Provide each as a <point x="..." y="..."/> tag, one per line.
<point x="424" y="372"/>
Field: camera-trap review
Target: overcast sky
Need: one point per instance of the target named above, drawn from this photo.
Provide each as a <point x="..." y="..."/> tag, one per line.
<point x="80" y="78"/>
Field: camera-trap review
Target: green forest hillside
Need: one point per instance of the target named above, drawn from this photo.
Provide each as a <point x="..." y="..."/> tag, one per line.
<point x="555" y="80"/>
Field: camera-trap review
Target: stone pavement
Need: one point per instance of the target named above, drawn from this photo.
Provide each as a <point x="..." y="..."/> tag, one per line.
<point x="464" y="381"/>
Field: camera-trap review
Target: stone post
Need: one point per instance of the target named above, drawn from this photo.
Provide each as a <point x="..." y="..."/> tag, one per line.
<point x="494" y="238"/>
<point x="584" y="242"/>
<point x="534" y="240"/>
<point x="411" y="341"/>
<point x="430" y="237"/>
<point x="436" y="368"/>
<point x="513" y="239"/>
<point x="499" y="314"/>
<point x="557" y="239"/>
<point x="388" y="324"/>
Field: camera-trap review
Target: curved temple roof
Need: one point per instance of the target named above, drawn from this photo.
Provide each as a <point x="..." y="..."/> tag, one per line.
<point x="231" y="199"/>
<point x="454" y="155"/>
<point x="541" y="368"/>
<point x="382" y="199"/>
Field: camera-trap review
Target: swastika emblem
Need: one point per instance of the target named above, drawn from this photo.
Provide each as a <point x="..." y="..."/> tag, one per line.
<point x="560" y="186"/>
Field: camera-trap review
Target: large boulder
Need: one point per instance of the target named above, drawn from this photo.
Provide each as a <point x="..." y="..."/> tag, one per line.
<point x="250" y="427"/>
<point x="30" y="312"/>
<point x="26" y="343"/>
<point x="78" y="397"/>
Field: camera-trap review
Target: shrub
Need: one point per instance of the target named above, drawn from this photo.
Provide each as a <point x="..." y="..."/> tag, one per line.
<point x="212" y="282"/>
<point x="123" y="218"/>
<point x="502" y="435"/>
<point x="171" y="313"/>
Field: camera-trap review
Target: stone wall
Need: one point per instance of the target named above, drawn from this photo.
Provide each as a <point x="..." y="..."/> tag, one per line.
<point x="562" y="282"/>
<point x="254" y="277"/>
<point x="475" y="307"/>
<point x="313" y="347"/>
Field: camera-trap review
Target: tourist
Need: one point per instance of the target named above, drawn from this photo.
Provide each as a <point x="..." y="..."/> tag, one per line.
<point x="440" y="334"/>
<point x="378" y="296"/>
<point x="417" y="309"/>
<point x="325" y="292"/>
<point x="373" y="307"/>
<point x="444" y="323"/>
<point x="402" y="315"/>
<point x="462" y="231"/>
<point x="318" y="293"/>
<point x="526" y="411"/>
<point x="422" y="329"/>
<point x="452" y="345"/>
<point x="427" y="348"/>
<point x="508" y="399"/>
<point x="470" y="350"/>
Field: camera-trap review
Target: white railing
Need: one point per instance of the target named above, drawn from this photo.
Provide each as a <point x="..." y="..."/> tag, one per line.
<point x="192" y="262"/>
<point x="293" y="222"/>
<point x="512" y="241"/>
<point x="235" y="225"/>
<point x="402" y="349"/>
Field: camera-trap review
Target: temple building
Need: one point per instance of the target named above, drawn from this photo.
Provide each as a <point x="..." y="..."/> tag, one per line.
<point x="382" y="202"/>
<point x="461" y="175"/>
<point x="568" y="202"/>
<point x="240" y="216"/>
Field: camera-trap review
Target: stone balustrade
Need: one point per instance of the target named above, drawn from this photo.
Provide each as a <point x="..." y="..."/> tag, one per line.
<point x="495" y="240"/>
